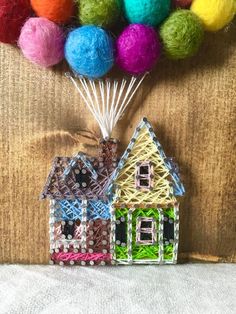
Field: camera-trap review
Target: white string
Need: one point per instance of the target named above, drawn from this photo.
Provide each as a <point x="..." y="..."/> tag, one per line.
<point x="109" y="105"/>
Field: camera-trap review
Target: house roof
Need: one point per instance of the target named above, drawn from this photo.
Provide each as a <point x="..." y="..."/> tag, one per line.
<point x="171" y="166"/>
<point x="62" y="184"/>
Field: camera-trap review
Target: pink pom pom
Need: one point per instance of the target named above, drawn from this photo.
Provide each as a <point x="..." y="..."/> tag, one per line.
<point x="138" y="49"/>
<point x="42" y="42"/>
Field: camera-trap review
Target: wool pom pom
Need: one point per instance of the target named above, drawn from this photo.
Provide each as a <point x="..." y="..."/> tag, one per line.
<point x="149" y="12"/>
<point x="42" y="42"/>
<point x="182" y="3"/>
<point x="13" y="14"/>
<point x="58" y="11"/>
<point x="89" y="51"/>
<point x="182" y="34"/>
<point x="215" y="14"/>
<point x="138" y="49"/>
<point x="101" y="13"/>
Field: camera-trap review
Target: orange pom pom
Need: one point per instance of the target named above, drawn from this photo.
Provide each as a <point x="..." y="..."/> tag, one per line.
<point x="58" y="11"/>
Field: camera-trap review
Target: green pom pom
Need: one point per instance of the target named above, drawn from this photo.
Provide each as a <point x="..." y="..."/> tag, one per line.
<point x="182" y="34"/>
<point x="102" y="13"/>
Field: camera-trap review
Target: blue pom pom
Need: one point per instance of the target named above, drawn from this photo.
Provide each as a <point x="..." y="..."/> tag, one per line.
<point x="89" y="51"/>
<point x="149" y="12"/>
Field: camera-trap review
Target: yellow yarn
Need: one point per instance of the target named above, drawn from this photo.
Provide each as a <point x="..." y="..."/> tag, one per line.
<point x="215" y="14"/>
<point x="162" y="193"/>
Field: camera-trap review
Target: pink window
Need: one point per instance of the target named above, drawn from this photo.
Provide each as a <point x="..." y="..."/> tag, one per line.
<point x="146" y="233"/>
<point x="144" y="175"/>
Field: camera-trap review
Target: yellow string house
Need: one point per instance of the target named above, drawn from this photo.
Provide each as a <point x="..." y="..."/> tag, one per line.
<point x="144" y="209"/>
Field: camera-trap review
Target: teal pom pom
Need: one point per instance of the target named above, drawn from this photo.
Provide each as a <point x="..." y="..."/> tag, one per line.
<point x="149" y="12"/>
<point x="89" y="51"/>
<point x="182" y="34"/>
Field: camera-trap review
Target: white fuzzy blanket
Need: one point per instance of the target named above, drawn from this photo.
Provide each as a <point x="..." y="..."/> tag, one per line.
<point x="192" y="288"/>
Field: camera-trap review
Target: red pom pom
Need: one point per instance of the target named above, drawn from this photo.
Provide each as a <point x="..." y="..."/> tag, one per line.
<point x="182" y="3"/>
<point x="13" y="14"/>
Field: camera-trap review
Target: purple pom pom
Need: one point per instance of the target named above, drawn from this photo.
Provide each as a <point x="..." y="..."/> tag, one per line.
<point x="138" y="49"/>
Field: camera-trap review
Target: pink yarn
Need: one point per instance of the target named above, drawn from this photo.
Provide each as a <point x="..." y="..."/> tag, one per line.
<point x="70" y="256"/>
<point x="138" y="49"/>
<point x="42" y="42"/>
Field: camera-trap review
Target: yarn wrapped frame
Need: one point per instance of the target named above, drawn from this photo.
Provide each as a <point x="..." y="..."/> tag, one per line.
<point x="149" y="12"/>
<point x="215" y="14"/>
<point x="100" y="13"/>
<point x="138" y="49"/>
<point x="181" y="34"/>
<point x="42" y="42"/>
<point x="58" y="11"/>
<point x="13" y="14"/>
<point x="89" y="51"/>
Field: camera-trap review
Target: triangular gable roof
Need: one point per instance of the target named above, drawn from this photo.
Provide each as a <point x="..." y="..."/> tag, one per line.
<point x="169" y="164"/>
<point x="61" y="183"/>
<point x="80" y="156"/>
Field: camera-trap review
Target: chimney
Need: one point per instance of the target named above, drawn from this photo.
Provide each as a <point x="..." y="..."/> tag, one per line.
<point x="108" y="152"/>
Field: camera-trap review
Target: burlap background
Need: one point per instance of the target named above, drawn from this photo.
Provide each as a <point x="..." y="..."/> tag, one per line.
<point x="191" y="104"/>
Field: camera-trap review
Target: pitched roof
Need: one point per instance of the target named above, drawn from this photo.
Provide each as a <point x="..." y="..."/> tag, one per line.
<point x="178" y="187"/>
<point x="62" y="184"/>
<point x="73" y="163"/>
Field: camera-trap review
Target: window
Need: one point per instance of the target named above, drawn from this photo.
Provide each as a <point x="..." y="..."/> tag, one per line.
<point x="82" y="177"/>
<point x="168" y="230"/>
<point x="144" y="175"/>
<point x="67" y="229"/>
<point x="146" y="231"/>
<point x="121" y="234"/>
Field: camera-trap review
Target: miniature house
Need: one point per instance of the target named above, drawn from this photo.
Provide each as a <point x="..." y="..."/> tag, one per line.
<point x="109" y="211"/>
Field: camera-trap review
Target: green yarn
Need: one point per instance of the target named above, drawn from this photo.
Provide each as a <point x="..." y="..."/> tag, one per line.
<point x="182" y="34"/>
<point x="102" y="13"/>
<point x="149" y="12"/>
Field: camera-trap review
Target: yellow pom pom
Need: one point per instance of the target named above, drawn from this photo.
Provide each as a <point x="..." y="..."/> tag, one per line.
<point x="215" y="14"/>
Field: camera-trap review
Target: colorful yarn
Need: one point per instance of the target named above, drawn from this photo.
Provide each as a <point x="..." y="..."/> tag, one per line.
<point x="72" y="210"/>
<point x="138" y="49"/>
<point x="150" y="12"/>
<point x="215" y="14"/>
<point x="101" y="13"/>
<point x="13" y="14"/>
<point x="182" y="34"/>
<point x="89" y="51"/>
<point x="58" y="11"/>
<point x="182" y="3"/>
<point x="66" y="257"/>
<point x="42" y="42"/>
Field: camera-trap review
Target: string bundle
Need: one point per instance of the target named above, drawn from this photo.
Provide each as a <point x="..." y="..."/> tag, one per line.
<point x="92" y="48"/>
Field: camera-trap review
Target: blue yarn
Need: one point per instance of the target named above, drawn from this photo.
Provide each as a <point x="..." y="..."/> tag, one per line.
<point x="72" y="210"/>
<point x="149" y="12"/>
<point x="89" y="51"/>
